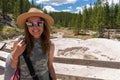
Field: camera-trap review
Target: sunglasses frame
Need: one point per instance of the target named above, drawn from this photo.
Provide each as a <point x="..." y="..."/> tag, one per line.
<point x="33" y="24"/>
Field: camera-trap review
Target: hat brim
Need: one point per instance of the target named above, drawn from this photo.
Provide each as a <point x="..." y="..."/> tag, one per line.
<point x="23" y="17"/>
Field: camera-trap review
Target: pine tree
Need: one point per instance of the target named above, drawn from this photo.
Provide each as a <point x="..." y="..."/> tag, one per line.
<point x="118" y="17"/>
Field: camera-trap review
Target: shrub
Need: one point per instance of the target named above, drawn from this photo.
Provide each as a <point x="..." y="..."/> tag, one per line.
<point x="7" y="32"/>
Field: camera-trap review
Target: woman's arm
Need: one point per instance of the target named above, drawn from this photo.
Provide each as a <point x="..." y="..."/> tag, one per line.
<point x="8" y="69"/>
<point x="50" y="62"/>
<point x="18" y="49"/>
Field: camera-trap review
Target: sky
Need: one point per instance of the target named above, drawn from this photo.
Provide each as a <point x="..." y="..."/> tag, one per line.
<point x="73" y="6"/>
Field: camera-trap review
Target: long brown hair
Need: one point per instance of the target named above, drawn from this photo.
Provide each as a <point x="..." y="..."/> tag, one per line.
<point x="45" y="40"/>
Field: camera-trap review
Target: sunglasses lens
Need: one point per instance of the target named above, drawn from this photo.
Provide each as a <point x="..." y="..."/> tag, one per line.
<point x="40" y="24"/>
<point x="29" y="24"/>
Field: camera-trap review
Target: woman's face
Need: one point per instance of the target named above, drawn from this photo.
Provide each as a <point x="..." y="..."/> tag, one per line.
<point x="35" y="26"/>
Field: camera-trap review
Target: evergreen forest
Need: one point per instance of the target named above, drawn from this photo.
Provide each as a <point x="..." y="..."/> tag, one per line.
<point x="100" y="15"/>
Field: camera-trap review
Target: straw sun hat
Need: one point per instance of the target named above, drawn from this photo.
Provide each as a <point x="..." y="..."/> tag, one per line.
<point x="34" y="12"/>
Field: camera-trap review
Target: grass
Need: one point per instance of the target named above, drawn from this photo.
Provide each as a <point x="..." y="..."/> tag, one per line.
<point x="7" y="32"/>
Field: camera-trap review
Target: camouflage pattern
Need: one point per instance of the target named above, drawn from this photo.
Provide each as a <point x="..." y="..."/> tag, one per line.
<point x="39" y="62"/>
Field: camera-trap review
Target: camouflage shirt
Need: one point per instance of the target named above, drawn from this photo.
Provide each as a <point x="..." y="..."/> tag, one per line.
<point x="39" y="62"/>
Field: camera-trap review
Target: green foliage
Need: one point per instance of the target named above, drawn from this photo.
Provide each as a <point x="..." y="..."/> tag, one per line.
<point x="53" y="29"/>
<point x="15" y="7"/>
<point x="91" y="18"/>
<point x="101" y="15"/>
<point x="8" y="32"/>
<point x="95" y="35"/>
<point x="118" y="39"/>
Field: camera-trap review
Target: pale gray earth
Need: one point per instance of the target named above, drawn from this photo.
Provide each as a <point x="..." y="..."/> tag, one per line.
<point x="93" y="49"/>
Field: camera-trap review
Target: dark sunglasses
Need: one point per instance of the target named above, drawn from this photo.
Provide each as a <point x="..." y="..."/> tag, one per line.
<point x="31" y="24"/>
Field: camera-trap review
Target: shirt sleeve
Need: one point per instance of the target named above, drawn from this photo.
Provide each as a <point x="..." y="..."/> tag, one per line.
<point x="8" y="69"/>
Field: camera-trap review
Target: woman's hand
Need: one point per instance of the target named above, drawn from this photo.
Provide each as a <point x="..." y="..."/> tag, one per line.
<point x="18" y="49"/>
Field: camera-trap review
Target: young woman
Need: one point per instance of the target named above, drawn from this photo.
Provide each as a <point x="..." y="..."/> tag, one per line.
<point x="36" y="45"/>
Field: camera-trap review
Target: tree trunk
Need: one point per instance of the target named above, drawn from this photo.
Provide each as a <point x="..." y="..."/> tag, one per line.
<point x="4" y="7"/>
<point x="21" y="6"/>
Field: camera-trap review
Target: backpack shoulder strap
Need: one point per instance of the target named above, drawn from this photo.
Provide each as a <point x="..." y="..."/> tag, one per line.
<point x="30" y="67"/>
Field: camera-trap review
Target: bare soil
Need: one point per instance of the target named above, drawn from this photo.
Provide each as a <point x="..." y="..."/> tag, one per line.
<point x="67" y="33"/>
